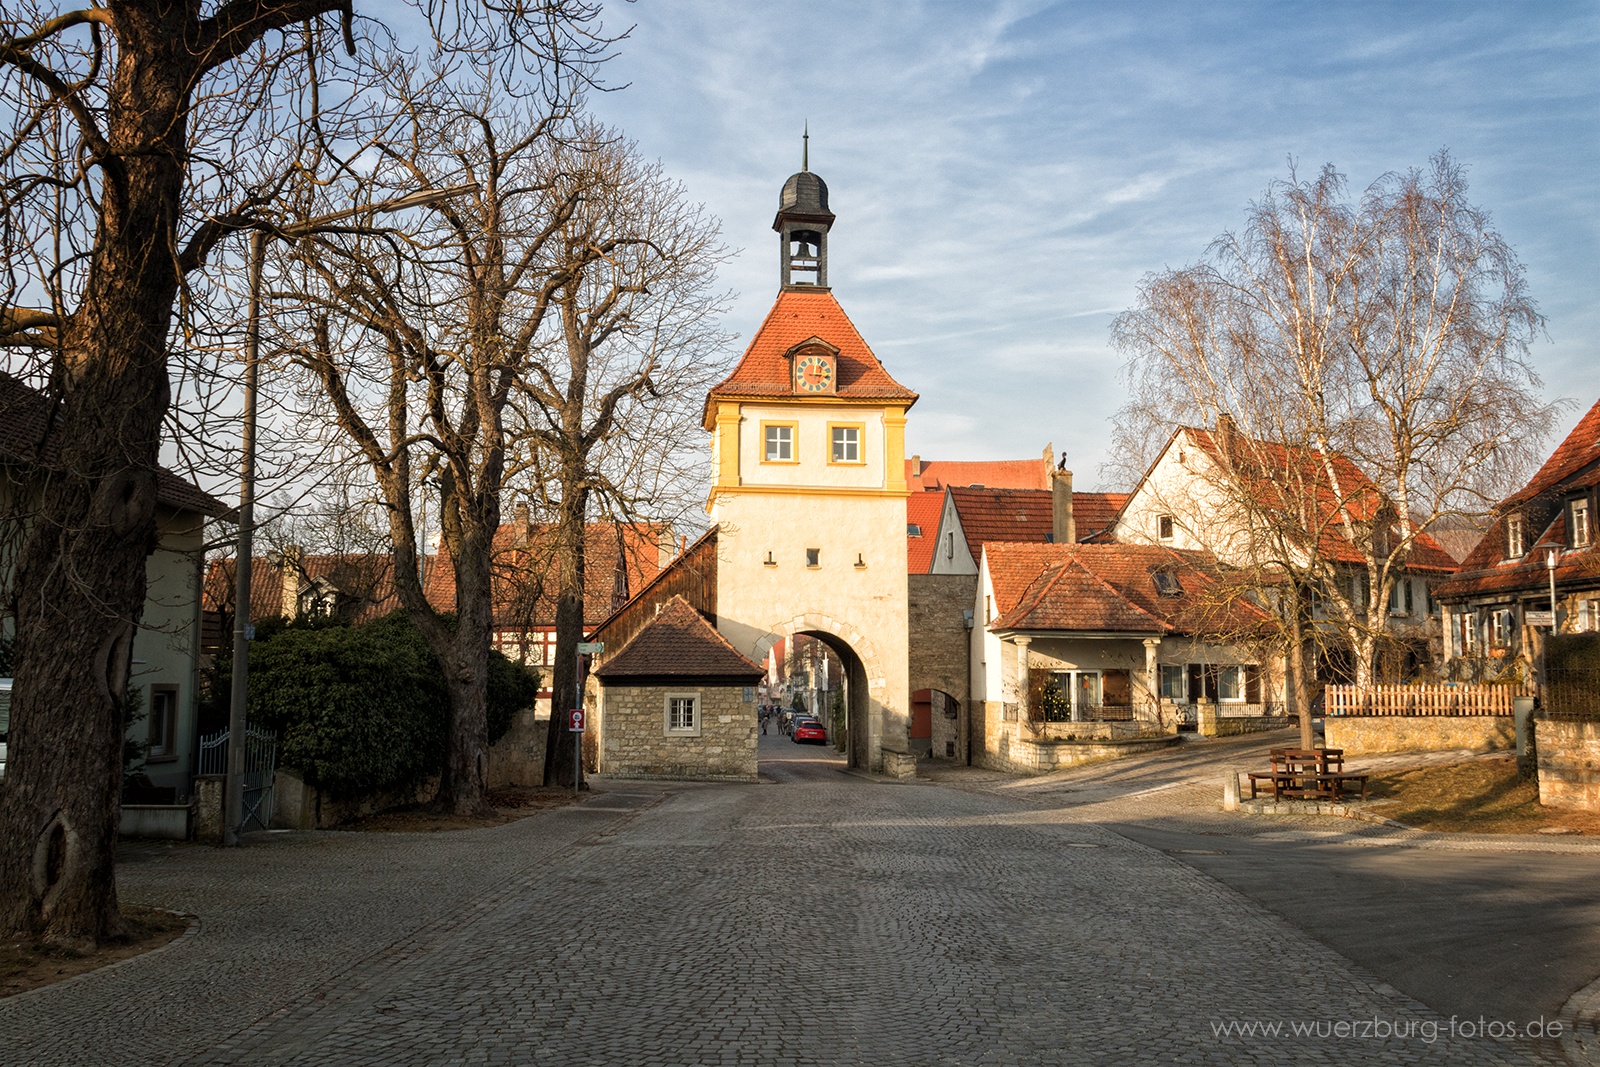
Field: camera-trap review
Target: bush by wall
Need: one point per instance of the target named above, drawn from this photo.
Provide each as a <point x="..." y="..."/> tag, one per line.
<point x="365" y="710"/>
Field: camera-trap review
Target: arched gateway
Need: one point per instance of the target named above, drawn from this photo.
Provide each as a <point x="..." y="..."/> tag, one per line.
<point x="809" y="491"/>
<point x="808" y="502"/>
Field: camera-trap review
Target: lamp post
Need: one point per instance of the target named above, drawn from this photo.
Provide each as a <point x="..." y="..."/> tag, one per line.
<point x="233" y="807"/>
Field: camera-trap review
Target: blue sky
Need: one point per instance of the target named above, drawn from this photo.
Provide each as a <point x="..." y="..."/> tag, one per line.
<point x="1004" y="173"/>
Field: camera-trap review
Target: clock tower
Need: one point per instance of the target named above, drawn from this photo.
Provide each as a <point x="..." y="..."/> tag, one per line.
<point x="809" y="487"/>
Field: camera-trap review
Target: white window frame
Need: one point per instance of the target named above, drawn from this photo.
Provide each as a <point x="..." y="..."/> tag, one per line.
<point x="1178" y="694"/>
<point x="695" y="714"/>
<point x="1582" y="525"/>
<point x="844" y="443"/>
<point x="1239" y="684"/>
<point x="1515" y="546"/>
<point x="777" y="442"/>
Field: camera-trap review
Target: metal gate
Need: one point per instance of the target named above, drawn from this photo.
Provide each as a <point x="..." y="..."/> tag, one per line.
<point x="260" y="764"/>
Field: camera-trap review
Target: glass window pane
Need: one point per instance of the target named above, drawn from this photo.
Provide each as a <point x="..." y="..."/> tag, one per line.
<point x="1229" y="685"/>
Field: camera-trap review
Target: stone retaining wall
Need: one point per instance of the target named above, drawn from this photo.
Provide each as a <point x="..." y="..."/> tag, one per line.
<point x="1369" y="735"/>
<point x="1027" y="755"/>
<point x="1569" y="764"/>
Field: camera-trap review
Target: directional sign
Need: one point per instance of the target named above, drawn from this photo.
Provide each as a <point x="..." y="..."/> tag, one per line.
<point x="575" y="717"/>
<point x="591" y="648"/>
<point x="1540" y="618"/>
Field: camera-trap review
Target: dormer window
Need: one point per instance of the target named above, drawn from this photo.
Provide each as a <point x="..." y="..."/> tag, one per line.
<point x="1166" y="582"/>
<point x="913" y="530"/>
<point x="1582" y="527"/>
<point x="1514" y="546"/>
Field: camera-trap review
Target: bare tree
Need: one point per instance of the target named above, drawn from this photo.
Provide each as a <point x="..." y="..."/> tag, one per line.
<point x="609" y="407"/>
<point x="1365" y="366"/>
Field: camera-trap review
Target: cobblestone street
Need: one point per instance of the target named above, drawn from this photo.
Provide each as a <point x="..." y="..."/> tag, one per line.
<point x="826" y="919"/>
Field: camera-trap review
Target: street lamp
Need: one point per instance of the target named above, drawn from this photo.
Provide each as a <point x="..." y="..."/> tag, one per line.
<point x="233" y="808"/>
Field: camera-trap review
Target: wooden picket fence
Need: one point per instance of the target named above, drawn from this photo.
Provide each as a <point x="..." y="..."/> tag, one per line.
<point x="1437" y="699"/>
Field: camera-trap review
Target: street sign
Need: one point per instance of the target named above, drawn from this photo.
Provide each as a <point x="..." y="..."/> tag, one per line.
<point x="591" y="648"/>
<point x="575" y="720"/>
<point x="1540" y="618"/>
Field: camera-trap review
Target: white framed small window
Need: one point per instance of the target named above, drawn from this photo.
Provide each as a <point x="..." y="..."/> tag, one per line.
<point x="1230" y="684"/>
<point x="846" y="442"/>
<point x="1164" y="527"/>
<point x="1499" y="628"/>
<point x="1514" y="545"/>
<point x="1173" y="679"/>
<point x="777" y="442"/>
<point x="1582" y="530"/>
<point x="681" y="714"/>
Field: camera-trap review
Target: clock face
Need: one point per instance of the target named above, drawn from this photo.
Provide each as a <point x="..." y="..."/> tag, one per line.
<point x="813" y="374"/>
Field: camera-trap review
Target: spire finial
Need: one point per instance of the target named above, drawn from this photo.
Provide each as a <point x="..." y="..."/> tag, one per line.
<point x="805" y="150"/>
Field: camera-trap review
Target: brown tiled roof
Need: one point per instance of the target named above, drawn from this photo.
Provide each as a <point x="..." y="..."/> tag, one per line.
<point x="1109" y="588"/>
<point x="1271" y="471"/>
<point x="990" y="474"/>
<point x="1027" y="514"/>
<point x="922" y="510"/>
<point x="24" y="418"/>
<point x="799" y="315"/>
<point x="527" y="577"/>
<point x="679" y="641"/>
<point x="1574" y="466"/>
<point x="367" y="578"/>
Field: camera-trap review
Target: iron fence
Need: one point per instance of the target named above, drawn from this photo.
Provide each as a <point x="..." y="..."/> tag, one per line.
<point x="1572" y="693"/>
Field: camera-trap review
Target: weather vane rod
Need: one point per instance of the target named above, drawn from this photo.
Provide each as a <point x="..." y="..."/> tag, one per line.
<point x="805" y="148"/>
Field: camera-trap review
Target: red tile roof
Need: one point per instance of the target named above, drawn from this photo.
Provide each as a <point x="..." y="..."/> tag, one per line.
<point x="1110" y="588"/>
<point x="366" y="579"/>
<point x="798" y="315"/>
<point x="936" y="474"/>
<point x="1272" y="472"/>
<point x="923" y="511"/>
<point x="1027" y="514"/>
<point x="679" y="642"/>
<point x="1573" y="467"/>
<point x="24" y="418"/>
<point x="526" y="577"/>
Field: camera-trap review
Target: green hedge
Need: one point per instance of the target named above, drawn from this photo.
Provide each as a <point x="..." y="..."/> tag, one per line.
<point x="365" y="710"/>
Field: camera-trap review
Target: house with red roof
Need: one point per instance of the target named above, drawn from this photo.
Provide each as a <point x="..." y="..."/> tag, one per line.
<point x="1259" y="505"/>
<point x="1539" y="555"/>
<point x="1087" y="650"/>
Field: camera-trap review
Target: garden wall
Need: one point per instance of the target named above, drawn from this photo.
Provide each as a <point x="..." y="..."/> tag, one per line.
<point x="1368" y="735"/>
<point x="1569" y="764"/>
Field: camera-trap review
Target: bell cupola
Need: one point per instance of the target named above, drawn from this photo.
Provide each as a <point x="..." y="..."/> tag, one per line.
<point x="802" y="224"/>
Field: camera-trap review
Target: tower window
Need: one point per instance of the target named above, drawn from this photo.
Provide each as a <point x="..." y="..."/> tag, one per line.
<point x="813" y="557"/>
<point x="779" y="447"/>
<point x="846" y="444"/>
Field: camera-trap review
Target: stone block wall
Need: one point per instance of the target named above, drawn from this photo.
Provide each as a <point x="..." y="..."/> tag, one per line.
<point x="1569" y="764"/>
<point x="1366" y="735"/>
<point x="940" y="650"/>
<point x="517" y="759"/>
<point x="634" y="742"/>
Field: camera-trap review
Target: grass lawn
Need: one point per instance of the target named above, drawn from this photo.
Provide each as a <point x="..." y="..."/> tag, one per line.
<point x="1477" y="797"/>
<point x="26" y="965"/>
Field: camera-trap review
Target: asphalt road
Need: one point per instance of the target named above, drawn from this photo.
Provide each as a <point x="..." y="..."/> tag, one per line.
<point x="1505" y="935"/>
<point x="784" y="761"/>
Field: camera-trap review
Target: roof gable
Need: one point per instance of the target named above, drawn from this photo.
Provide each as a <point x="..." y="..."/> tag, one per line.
<point x="678" y="641"/>
<point x="798" y="317"/>
<point x="922" y="511"/>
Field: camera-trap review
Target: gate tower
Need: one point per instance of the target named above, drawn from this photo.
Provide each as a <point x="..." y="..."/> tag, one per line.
<point x="809" y="487"/>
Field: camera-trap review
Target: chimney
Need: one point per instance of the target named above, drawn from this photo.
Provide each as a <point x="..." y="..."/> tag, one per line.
<point x="519" y="526"/>
<point x="1065" y="529"/>
<point x="1046" y="463"/>
<point x="289" y="582"/>
<point x="916" y="473"/>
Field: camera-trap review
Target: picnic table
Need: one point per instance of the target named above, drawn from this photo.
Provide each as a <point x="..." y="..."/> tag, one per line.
<point x="1307" y="773"/>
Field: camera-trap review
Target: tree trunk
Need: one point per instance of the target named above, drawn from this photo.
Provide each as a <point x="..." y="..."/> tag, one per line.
<point x="570" y="530"/>
<point x="80" y="580"/>
<point x="463" y="783"/>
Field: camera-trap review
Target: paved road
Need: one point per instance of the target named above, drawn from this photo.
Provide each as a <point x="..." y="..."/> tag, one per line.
<point x="786" y="762"/>
<point x="825" y="921"/>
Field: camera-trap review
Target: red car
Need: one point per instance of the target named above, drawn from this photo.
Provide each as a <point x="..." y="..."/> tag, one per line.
<point x="809" y="730"/>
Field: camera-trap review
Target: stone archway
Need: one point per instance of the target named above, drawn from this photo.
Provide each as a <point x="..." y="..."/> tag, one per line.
<point x="866" y="687"/>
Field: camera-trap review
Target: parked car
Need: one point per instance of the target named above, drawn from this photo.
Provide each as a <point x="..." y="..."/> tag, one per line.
<point x="809" y="730"/>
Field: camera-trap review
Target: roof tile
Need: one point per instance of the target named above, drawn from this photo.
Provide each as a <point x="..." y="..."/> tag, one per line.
<point x="678" y="641"/>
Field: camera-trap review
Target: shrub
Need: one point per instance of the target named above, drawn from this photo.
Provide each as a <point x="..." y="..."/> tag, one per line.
<point x="366" y="710"/>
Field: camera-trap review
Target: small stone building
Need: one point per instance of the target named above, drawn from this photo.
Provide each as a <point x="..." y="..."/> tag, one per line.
<point x="678" y="701"/>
